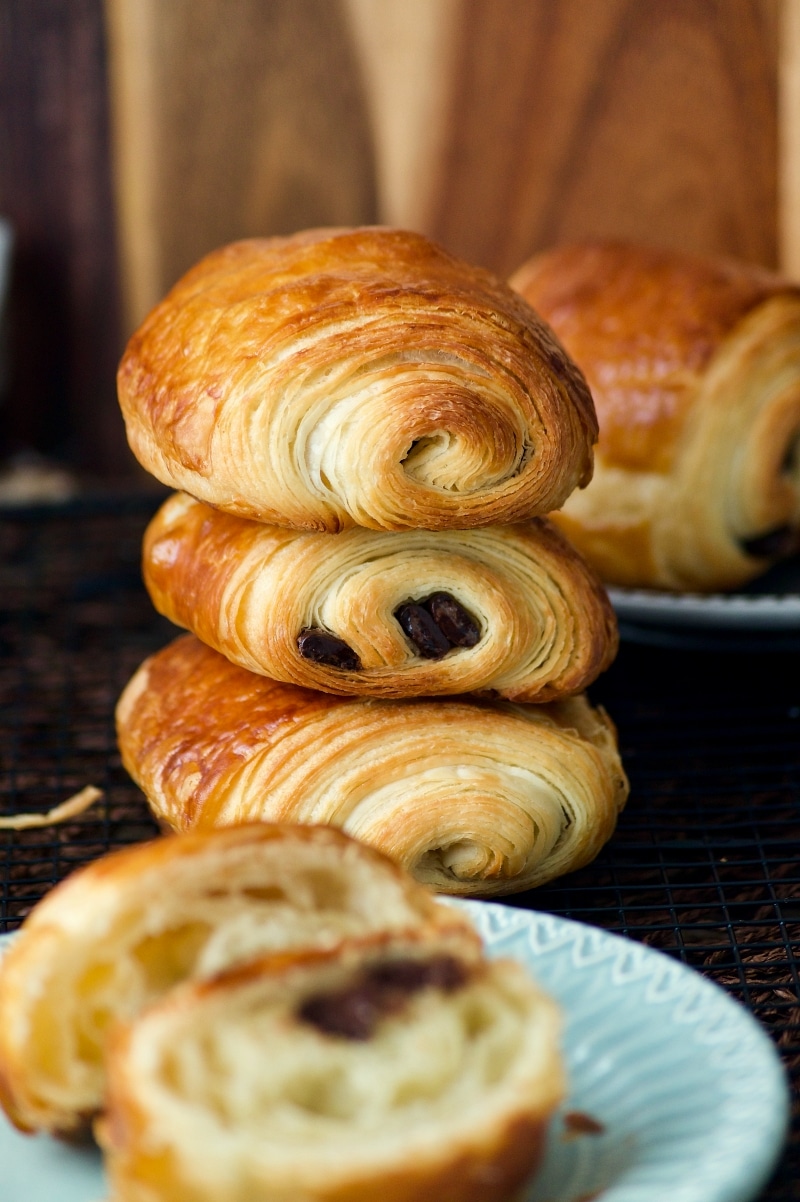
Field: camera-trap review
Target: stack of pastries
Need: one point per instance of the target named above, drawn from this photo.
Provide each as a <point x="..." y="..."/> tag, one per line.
<point x="387" y="635"/>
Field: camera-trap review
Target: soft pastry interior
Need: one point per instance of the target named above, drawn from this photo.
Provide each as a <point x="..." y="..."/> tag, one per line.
<point x="355" y="377"/>
<point x="400" y="1073"/>
<point x="122" y="931"/>
<point x="694" y="367"/>
<point x="471" y="796"/>
<point x="512" y="610"/>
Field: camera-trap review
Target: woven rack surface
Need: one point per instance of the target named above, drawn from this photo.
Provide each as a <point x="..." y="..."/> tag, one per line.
<point x="705" y="863"/>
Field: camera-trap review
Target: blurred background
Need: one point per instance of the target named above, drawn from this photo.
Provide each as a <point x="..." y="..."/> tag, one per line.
<point x="137" y="134"/>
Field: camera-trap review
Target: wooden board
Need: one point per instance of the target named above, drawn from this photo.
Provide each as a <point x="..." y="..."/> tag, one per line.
<point x="632" y="118"/>
<point x="789" y="139"/>
<point x="231" y="119"/>
<point x="498" y="126"/>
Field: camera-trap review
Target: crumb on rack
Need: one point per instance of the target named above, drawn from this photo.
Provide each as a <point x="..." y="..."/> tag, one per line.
<point x="77" y="804"/>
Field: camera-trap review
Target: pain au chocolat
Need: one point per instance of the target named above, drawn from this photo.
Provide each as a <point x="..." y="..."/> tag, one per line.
<point x="121" y="932"/>
<point x="694" y="365"/>
<point x="511" y="609"/>
<point x="471" y="796"/>
<point x="355" y="377"/>
<point x="397" y="1071"/>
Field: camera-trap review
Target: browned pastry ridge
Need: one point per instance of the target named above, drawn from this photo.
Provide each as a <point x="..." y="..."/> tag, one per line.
<point x="472" y="797"/>
<point x="355" y="377"/>
<point x="694" y="365"/>
<point x="509" y="609"/>
<point x="400" y="1071"/>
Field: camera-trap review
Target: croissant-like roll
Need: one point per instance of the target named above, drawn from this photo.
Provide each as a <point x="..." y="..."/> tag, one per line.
<point x="122" y="931"/>
<point x="694" y="365"/>
<point x="355" y="377"/>
<point x="511" y="609"/>
<point x="399" y="1073"/>
<point x="471" y="797"/>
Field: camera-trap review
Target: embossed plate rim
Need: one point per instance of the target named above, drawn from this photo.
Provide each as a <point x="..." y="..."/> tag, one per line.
<point x="737" y="611"/>
<point x="655" y="1002"/>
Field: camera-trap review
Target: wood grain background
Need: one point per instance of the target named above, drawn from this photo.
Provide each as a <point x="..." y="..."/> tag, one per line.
<point x="497" y="126"/>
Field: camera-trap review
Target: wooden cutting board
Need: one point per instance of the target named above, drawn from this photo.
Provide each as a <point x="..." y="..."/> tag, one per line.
<point x="497" y="126"/>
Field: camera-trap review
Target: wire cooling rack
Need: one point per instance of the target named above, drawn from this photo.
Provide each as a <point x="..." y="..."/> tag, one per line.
<point x="706" y="860"/>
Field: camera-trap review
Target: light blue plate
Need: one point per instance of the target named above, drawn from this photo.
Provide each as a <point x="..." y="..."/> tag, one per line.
<point x="688" y="1089"/>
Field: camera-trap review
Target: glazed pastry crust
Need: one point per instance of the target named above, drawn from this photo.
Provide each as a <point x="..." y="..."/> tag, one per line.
<point x="472" y="797"/>
<point x="694" y="366"/>
<point x="248" y="590"/>
<point x="355" y="377"/>
<point x="223" y="1092"/>
<point x="122" y="931"/>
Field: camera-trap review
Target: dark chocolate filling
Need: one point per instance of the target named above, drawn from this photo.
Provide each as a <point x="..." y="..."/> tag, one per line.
<point x="779" y="543"/>
<point x="437" y="624"/>
<point x="433" y="625"/>
<point x="383" y="989"/>
<point x="456" y="624"/>
<point x="420" y="627"/>
<point x="323" y="648"/>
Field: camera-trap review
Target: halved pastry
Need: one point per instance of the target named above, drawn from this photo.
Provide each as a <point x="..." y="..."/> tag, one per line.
<point x="472" y="797"/>
<point x="396" y="1072"/>
<point x="694" y="365"/>
<point x="510" y="609"/>
<point x="355" y="377"/>
<point x="122" y="931"/>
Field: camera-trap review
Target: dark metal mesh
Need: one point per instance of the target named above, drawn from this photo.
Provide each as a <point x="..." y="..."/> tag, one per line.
<point x="706" y="861"/>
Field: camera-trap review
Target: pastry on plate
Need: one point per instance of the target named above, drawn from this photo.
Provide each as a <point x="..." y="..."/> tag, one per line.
<point x="471" y="796"/>
<point x="355" y="377"/>
<point x="513" y="610"/>
<point x="122" y="931"/>
<point x="396" y="1071"/>
<point x="694" y="365"/>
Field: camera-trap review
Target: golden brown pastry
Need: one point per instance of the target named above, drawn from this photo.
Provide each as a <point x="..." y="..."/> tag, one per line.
<point x="510" y="609"/>
<point x="399" y="1073"/>
<point x="471" y="797"/>
<point x="122" y="931"/>
<point x="694" y="365"/>
<point x="355" y="377"/>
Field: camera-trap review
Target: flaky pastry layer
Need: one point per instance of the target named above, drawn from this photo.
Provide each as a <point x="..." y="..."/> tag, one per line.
<point x="694" y="366"/>
<point x="543" y="623"/>
<point x="127" y="928"/>
<point x="397" y="1072"/>
<point x="472" y="797"/>
<point x="355" y="377"/>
